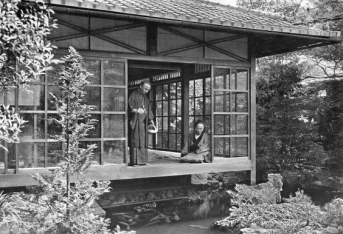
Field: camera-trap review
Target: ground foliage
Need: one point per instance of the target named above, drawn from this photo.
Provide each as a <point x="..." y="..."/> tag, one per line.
<point x="253" y="213"/>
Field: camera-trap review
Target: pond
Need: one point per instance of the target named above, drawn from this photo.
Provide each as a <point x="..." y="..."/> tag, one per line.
<point x="175" y="216"/>
<point x="198" y="226"/>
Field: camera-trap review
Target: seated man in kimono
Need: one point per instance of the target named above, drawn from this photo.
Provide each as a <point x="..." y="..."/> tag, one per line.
<point x="140" y="114"/>
<point x="196" y="148"/>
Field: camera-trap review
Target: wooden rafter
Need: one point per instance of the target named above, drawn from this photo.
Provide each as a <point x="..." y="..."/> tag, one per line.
<point x="203" y="43"/>
<point x="225" y="39"/>
<point x="99" y="31"/>
<point x="105" y="38"/>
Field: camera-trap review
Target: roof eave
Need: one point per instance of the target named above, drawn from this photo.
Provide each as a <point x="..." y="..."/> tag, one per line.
<point x="183" y="23"/>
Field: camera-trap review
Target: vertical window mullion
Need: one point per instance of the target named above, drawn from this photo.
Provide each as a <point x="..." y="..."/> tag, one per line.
<point x="102" y="112"/>
<point x="46" y="93"/>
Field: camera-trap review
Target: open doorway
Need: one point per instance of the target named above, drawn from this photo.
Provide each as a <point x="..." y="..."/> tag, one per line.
<point x="180" y="95"/>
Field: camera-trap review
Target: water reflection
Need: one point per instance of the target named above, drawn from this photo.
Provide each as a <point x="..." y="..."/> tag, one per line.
<point x="180" y="214"/>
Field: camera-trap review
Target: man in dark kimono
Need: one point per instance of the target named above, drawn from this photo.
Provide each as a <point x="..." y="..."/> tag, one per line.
<point x="140" y="115"/>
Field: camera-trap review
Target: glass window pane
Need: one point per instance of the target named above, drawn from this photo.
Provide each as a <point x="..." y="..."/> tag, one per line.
<point x="114" y="126"/>
<point x="239" y="102"/>
<point x="31" y="154"/>
<point x="113" y="152"/>
<point x="219" y="147"/>
<point x="165" y="141"/>
<point x="54" y="128"/>
<point x="159" y="124"/>
<point x="93" y="67"/>
<point x="191" y="106"/>
<point x="114" y="73"/>
<point x="34" y="128"/>
<point x="54" y="73"/>
<point x="208" y="124"/>
<point x="191" y="123"/>
<point x="178" y="141"/>
<point x="173" y="107"/>
<point x="55" y="153"/>
<point x="172" y="142"/>
<point x="191" y="88"/>
<point x="199" y="88"/>
<point x="95" y="158"/>
<point x="158" y="92"/>
<point x="55" y="90"/>
<point x="178" y="90"/>
<point x="218" y="124"/>
<point x="114" y="99"/>
<point x="11" y="96"/>
<point x="242" y="79"/>
<point x="33" y="98"/>
<point x="221" y="101"/>
<point x="165" y="92"/>
<point x="233" y="82"/>
<point x="179" y="108"/>
<point x="239" y="124"/>
<point x="158" y="108"/>
<point x="199" y="107"/>
<point x="96" y="132"/>
<point x="159" y="140"/>
<point x="172" y="124"/>
<point x="178" y="125"/>
<point x="220" y="77"/>
<point x="172" y="90"/>
<point x="227" y="81"/>
<point x="165" y="108"/>
<point x="239" y="147"/>
<point x="208" y="87"/>
<point x="165" y="124"/>
<point x="219" y="82"/>
<point x="93" y="97"/>
<point x="207" y="106"/>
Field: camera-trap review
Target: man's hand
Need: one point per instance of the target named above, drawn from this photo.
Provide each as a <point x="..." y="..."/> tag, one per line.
<point x="140" y="111"/>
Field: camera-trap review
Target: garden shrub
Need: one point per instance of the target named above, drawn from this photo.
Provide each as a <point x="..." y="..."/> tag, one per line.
<point x="294" y="215"/>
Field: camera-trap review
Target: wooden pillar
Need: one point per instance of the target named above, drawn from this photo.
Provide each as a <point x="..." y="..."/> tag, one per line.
<point x="253" y="119"/>
<point x="186" y="72"/>
<point x="151" y="39"/>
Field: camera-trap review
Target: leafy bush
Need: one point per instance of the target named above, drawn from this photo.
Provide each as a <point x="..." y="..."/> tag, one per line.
<point x="294" y="215"/>
<point x="10" y="124"/>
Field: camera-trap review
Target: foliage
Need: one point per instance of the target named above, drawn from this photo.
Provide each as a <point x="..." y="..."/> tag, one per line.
<point x="23" y="31"/>
<point x="324" y="14"/>
<point x="10" y="124"/>
<point x="24" y="54"/>
<point x="287" y="134"/>
<point x="295" y="215"/>
<point x="331" y="121"/>
<point x="56" y="206"/>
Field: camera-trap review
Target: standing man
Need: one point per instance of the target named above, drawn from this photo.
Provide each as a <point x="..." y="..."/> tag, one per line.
<point x="140" y="114"/>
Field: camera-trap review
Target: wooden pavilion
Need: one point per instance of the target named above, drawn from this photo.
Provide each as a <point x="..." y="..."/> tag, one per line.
<point x="200" y="57"/>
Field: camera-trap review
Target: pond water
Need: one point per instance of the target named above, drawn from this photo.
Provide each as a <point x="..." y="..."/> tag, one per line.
<point x="179" y="216"/>
<point x="199" y="226"/>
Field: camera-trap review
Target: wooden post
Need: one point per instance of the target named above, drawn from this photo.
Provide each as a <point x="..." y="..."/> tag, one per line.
<point x="253" y="119"/>
<point x="186" y="72"/>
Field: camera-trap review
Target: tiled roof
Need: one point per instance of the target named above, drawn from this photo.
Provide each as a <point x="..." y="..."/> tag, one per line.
<point x="198" y="11"/>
